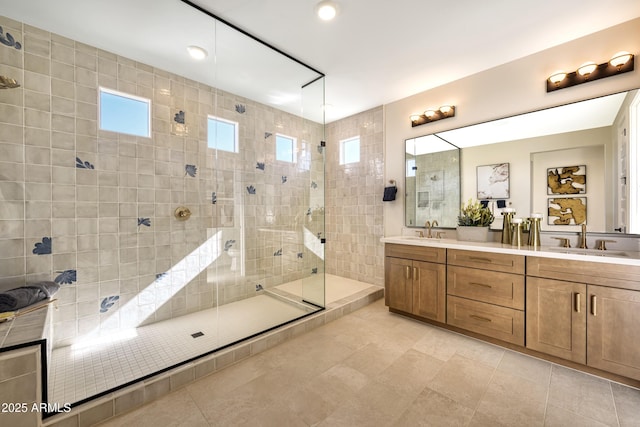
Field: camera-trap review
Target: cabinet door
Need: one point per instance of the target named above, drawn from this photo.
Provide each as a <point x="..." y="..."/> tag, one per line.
<point x="398" y="281"/>
<point x="429" y="290"/>
<point x="613" y="330"/>
<point x="556" y="318"/>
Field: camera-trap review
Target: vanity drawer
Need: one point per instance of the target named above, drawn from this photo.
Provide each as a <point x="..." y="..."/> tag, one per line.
<point x="594" y="273"/>
<point x="502" y="323"/>
<point x="494" y="287"/>
<point x="486" y="260"/>
<point x="419" y="253"/>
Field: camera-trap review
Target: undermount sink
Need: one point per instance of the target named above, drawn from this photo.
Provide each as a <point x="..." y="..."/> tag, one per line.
<point x="593" y="252"/>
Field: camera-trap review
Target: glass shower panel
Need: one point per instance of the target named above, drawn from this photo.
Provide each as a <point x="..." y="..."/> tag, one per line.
<point x="173" y="246"/>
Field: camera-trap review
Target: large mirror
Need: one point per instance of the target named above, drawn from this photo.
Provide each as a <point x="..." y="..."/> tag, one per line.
<point x="432" y="181"/>
<point x="575" y="164"/>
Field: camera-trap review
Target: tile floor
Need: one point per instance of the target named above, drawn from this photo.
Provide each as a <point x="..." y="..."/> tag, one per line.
<point x="375" y="368"/>
<point x="81" y="371"/>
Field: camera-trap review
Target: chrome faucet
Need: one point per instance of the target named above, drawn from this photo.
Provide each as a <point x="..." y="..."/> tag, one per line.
<point x="428" y="225"/>
<point x="583" y="237"/>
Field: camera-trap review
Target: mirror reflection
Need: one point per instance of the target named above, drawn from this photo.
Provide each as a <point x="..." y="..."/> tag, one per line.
<point x="432" y="181"/>
<point x="594" y="141"/>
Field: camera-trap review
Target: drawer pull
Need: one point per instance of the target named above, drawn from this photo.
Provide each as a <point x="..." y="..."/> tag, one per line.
<point x="484" y="319"/>
<point x="577" y="301"/>
<point x="481" y="284"/>
<point x="407" y="272"/>
<point x="593" y="305"/>
<point x="416" y="273"/>
<point x="473" y="258"/>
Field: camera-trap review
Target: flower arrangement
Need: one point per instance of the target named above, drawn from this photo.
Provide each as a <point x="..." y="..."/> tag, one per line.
<point x="473" y="214"/>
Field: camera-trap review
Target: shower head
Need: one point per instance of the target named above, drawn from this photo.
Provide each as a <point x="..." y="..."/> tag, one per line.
<point x="8" y="83"/>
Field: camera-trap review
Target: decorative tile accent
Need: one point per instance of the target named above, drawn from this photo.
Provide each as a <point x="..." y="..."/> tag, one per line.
<point x="267" y="135"/>
<point x="260" y="165"/>
<point x="160" y="276"/>
<point x="44" y="247"/>
<point x="314" y="185"/>
<point x="144" y="221"/>
<point x="251" y="189"/>
<point x="83" y="165"/>
<point x="284" y="179"/>
<point x="191" y="170"/>
<point x="65" y="277"/>
<point x="300" y="255"/>
<point x="314" y="270"/>
<point x="228" y="244"/>
<point x="214" y="198"/>
<point x="259" y="287"/>
<point x="309" y="212"/>
<point x="241" y="108"/>
<point x="278" y="252"/>
<point x="108" y="302"/>
<point x="8" y="40"/>
<point x="179" y="117"/>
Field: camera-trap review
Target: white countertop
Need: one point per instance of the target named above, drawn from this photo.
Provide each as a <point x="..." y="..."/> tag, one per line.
<point x="576" y="254"/>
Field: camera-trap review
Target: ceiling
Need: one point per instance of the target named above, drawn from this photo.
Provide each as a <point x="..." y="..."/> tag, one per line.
<point x="377" y="52"/>
<point x="373" y="53"/>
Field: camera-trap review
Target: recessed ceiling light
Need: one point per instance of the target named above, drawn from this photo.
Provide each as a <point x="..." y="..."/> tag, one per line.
<point x="326" y="10"/>
<point x="197" y="52"/>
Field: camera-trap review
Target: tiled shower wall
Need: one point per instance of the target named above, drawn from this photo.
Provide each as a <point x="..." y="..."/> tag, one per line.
<point x="94" y="210"/>
<point x="354" y="199"/>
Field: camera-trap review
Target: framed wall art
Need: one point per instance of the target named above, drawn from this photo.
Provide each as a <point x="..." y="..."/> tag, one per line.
<point x="493" y="181"/>
<point x="567" y="180"/>
<point x="567" y="211"/>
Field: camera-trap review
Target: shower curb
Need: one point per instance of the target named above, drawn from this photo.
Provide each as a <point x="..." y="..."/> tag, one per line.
<point x="147" y="391"/>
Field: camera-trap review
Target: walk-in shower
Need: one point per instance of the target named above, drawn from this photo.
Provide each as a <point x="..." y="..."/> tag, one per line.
<point x="171" y="244"/>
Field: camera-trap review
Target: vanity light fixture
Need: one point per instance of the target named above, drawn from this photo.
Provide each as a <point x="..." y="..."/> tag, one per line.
<point x="587" y="68"/>
<point x="326" y="10"/>
<point x="621" y="62"/>
<point x="197" y="52"/>
<point x="432" y="115"/>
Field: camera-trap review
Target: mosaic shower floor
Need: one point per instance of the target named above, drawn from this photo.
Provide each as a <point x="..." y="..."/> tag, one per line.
<point x="79" y="372"/>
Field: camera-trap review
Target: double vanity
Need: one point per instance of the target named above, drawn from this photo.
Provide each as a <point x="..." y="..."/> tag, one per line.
<point x="576" y="307"/>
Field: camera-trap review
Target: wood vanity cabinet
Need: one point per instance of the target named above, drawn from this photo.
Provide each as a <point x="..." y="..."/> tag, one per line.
<point x="415" y="280"/>
<point x="485" y="294"/>
<point x="556" y="318"/>
<point x="585" y="312"/>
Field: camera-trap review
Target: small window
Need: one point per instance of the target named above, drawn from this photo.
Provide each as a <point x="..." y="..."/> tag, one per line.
<point x="350" y="150"/>
<point x="285" y="148"/>
<point x="222" y="134"/>
<point x="124" y="113"/>
<point x="411" y="167"/>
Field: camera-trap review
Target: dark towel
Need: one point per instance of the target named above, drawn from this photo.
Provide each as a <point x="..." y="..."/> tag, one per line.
<point x="389" y="194"/>
<point x="15" y="299"/>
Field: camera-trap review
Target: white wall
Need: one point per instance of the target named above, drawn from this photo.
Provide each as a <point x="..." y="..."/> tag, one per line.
<point x="508" y="89"/>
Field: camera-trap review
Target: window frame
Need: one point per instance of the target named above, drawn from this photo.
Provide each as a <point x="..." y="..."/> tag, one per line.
<point x="128" y="96"/>
<point x="236" y="133"/>
<point x="343" y="142"/>
<point x="293" y="140"/>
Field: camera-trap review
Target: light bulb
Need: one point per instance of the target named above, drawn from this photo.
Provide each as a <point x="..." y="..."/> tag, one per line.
<point x="429" y="113"/>
<point x="557" y="77"/>
<point x="326" y="10"/>
<point x="587" y="68"/>
<point x="619" y="59"/>
<point x="197" y="52"/>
